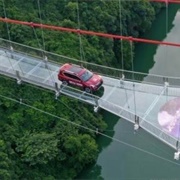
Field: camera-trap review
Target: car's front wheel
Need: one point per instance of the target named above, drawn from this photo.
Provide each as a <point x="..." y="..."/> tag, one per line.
<point x="88" y="90"/>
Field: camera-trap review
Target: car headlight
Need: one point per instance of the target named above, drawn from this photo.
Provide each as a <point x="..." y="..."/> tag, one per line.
<point x="93" y="86"/>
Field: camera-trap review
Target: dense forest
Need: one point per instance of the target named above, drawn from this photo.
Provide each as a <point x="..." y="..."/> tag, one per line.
<point x="37" y="145"/>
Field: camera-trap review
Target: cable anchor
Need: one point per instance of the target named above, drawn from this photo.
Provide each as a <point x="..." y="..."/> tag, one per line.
<point x="20" y="101"/>
<point x="97" y="131"/>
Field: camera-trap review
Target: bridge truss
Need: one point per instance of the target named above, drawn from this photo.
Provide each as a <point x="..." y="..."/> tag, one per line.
<point x="136" y="97"/>
<point x="137" y="101"/>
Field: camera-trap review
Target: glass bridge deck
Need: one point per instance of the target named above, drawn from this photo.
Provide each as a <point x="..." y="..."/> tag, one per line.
<point x="124" y="98"/>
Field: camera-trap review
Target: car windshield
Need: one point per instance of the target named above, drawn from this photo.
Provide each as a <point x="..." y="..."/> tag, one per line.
<point x="86" y="75"/>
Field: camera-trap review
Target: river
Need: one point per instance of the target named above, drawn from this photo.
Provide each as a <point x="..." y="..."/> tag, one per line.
<point x="139" y="156"/>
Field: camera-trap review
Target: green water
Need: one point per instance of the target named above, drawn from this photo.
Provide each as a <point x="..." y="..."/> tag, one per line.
<point x="139" y="156"/>
<point x="159" y="59"/>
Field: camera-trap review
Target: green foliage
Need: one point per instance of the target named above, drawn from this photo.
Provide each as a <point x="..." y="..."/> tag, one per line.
<point x="81" y="150"/>
<point x="39" y="145"/>
<point x="37" y="148"/>
<point x="34" y="145"/>
<point x="5" y="163"/>
<point x="99" y="15"/>
<point x="139" y="17"/>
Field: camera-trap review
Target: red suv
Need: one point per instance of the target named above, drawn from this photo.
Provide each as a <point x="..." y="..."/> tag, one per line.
<point x="79" y="76"/>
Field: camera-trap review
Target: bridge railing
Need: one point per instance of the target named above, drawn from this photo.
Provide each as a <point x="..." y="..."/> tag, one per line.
<point x="158" y="132"/>
<point x="94" y="100"/>
<point x="51" y="85"/>
<point x="153" y="129"/>
<point x="104" y="70"/>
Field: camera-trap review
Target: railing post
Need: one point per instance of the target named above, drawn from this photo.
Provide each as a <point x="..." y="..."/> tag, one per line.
<point x="165" y="79"/>
<point x="122" y="80"/>
<point x="12" y="50"/>
<point x="57" y="90"/>
<point x="45" y="58"/>
<point x="136" y="124"/>
<point x="96" y="107"/>
<point x="166" y="84"/>
<point x="18" y="78"/>
<point x="177" y="155"/>
<point x="46" y="61"/>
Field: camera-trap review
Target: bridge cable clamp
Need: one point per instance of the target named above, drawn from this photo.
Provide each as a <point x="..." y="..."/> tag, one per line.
<point x="96" y="108"/>
<point x="57" y="94"/>
<point x="136" y="126"/>
<point x="177" y="155"/>
<point x="97" y="131"/>
<point x="20" y="101"/>
<point x="166" y="84"/>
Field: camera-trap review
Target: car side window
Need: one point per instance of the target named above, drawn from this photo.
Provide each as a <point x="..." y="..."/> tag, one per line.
<point x="71" y="76"/>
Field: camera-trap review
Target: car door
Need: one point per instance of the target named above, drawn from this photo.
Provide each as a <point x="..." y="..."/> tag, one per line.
<point x="73" y="79"/>
<point x="78" y="81"/>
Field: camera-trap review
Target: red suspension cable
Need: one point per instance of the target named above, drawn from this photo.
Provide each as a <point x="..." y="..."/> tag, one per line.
<point x="92" y="33"/>
<point x="166" y="1"/>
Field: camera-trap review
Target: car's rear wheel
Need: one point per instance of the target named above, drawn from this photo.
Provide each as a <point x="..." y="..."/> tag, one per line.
<point x="64" y="83"/>
<point x="88" y="90"/>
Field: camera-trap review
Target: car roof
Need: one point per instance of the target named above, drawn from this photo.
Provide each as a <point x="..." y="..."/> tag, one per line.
<point x="72" y="68"/>
<point x="75" y="69"/>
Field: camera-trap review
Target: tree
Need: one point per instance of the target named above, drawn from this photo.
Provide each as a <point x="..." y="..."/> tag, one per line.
<point x="37" y="148"/>
<point x="81" y="151"/>
<point x="5" y="163"/>
<point x="32" y="144"/>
